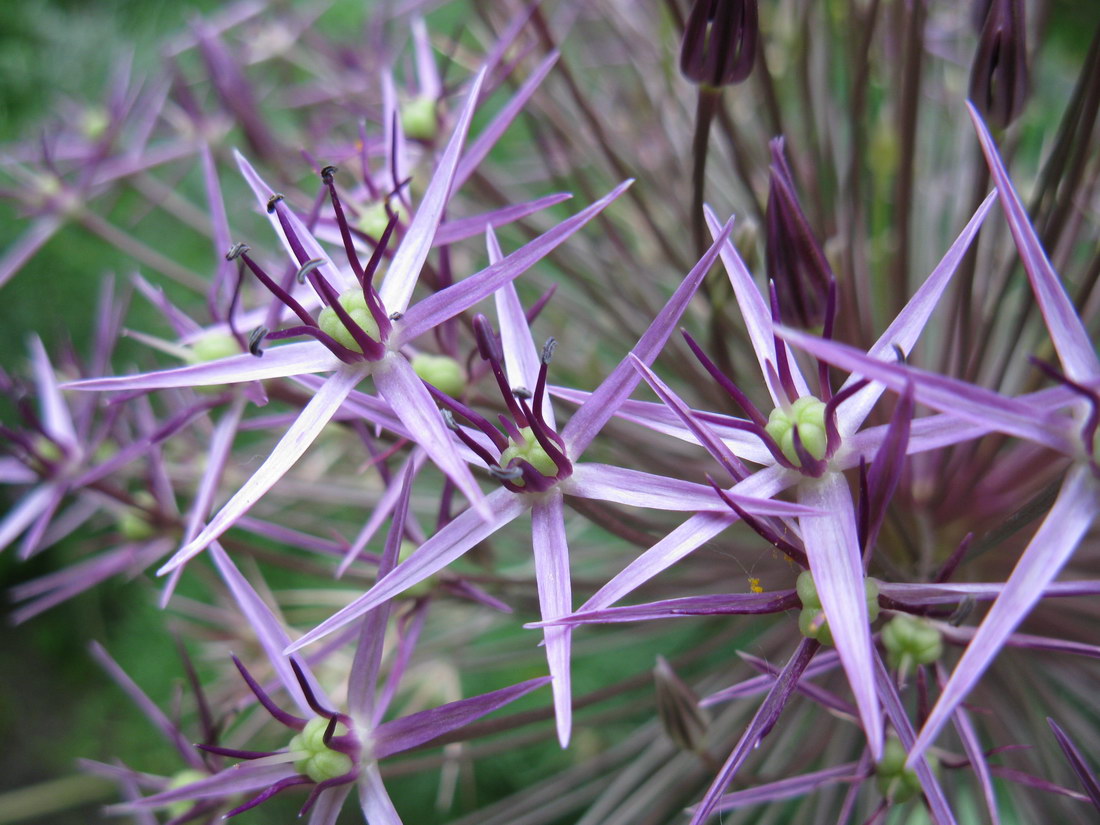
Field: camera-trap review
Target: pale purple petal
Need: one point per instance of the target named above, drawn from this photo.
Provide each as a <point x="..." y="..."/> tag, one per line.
<point x="895" y="712"/>
<point x="404" y="269"/>
<point x="906" y="328"/>
<point x="555" y="599"/>
<point x="965" y="634"/>
<point x="14" y="471"/>
<point x="374" y="799"/>
<point x="434" y="309"/>
<point x="25" y="512"/>
<point x="56" y="419"/>
<point x="221" y="442"/>
<point x="926" y="595"/>
<point x="277" y="362"/>
<point x="635" y="488"/>
<point x="1051" y="547"/>
<point x="789" y="788"/>
<point x="427" y="74"/>
<point x="832" y="547"/>
<point x="414" y="730"/>
<point x="1078" y="762"/>
<point x="691" y="534"/>
<point x="949" y="395"/>
<point x="283" y="456"/>
<point x="328" y="805"/>
<point x="268" y="629"/>
<point x="724" y="604"/>
<point x="756" y="313"/>
<point x="393" y="135"/>
<point x="146" y="705"/>
<point x="432" y="556"/>
<point x="461" y="228"/>
<point x="824" y="662"/>
<point x="28" y="243"/>
<point x="762" y="722"/>
<point x="617" y="387"/>
<point x="1071" y="339"/>
<point x="238" y="779"/>
<point x="491" y="134"/>
<point x="405" y="392"/>
<point x="972" y="746"/>
<point x="303" y="235"/>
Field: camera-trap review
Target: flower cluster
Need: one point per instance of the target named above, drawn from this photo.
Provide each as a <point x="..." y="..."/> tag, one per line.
<point x="854" y="438"/>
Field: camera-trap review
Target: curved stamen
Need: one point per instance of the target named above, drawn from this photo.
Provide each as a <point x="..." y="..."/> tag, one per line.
<point x="1088" y="430"/>
<point x="762" y="527"/>
<point x="311" y="698"/>
<point x="826" y="390"/>
<point x="281" y="785"/>
<point x="489" y="349"/>
<point x="276" y="712"/>
<point x="241" y="250"/>
<point x="474" y="418"/>
<point x="784" y="367"/>
<point x="468" y="440"/>
<point x="832" y="434"/>
<point x="346" y="355"/>
<point x="547" y="439"/>
<point x="725" y="383"/>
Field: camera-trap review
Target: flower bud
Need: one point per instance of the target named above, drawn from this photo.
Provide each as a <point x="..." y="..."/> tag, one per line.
<point x="894" y="781"/>
<point x="678" y="708"/>
<point x="719" y="45"/>
<point x="998" y="75"/>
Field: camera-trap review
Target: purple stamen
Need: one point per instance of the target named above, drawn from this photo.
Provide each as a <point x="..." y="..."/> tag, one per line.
<point x="784" y="367"/>
<point x="725" y="383"/>
<point x="241" y="250"/>
<point x="232" y="753"/>
<point x="474" y="418"/>
<point x="827" y="333"/>
<point x="276" y="712"/>
<point x="807" y="463"/>
<point x="763" y="527"/>
<point x="282" y="784"/>
<point x="832" y="434"/>
<point x="489" y="349"/>
<point x="335" y="347"/>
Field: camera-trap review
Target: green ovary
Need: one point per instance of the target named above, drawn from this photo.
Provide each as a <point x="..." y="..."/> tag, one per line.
<point x="909" y="640"/>
<point x="894" y="781"/>
<point x="531" y="452"/>
<point x="355" y="305"/>
<point x="442" y="372"/>
<point x="182" y="780"/>
<point x="212" y="346"/>
<point x="811" y="620"/>
<point x="374" y="219"/>
<point x="808" y="414"/>
<point x="316" y="759"/>
<point x="418" y="118"/>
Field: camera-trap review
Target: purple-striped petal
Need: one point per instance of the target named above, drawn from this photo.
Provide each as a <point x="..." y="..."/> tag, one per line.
<point x="328" y="806"/>
<point x="374" y="799"/>
<point x="555" y="599"/>
<point x="1051" y="547"/>
<point x="56" y="419"/>
<point x="247" y="776"/>
<point x="832" y="547"/>
<point x="972" y="746"/>
<point x="431" y="557"/>
<point x="724" y="604"/>
<point x="30" y="507"/>
<point x="462" y="228"/>
<point x="617" y="387"/>
<point x="1072" y="341"/>
<point x="404" y="270"/>
<point x="290" y="448"/>
<point x="416" y="729"/>
<point x="789" y="788"/>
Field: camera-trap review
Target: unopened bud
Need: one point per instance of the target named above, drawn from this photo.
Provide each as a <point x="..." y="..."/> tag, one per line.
<point x="678" y="708"/>
<point x="998" y="75"/>
<point x="719" y="45"/>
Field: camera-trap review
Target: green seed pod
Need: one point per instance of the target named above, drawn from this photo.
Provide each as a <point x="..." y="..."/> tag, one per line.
<point x="374" y="219"/>
<point x="808" y="414"/>
<point x="212" y="346"/>
<point x="418" y="118"/>
<point x="909" y="640"/>
<point x="892" y="778"/>
<point x="355" y="304"/>
<point x="531" y="452"/>
<point x="188" y="776"/>
<point x="442" y="372"/>
<point x="316" y="759"/>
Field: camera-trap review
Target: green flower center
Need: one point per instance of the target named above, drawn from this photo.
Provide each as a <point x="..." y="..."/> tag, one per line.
<point x="442" y="372"/>
<point x="808" y="414"/>
<point x="418" y="118"/>
<point x="355" y="305"/>
<point x="316" y="759"/>
<point x="894" y="781"/>
<point x="911" y="641"/>
<point x="374" y="219"/>
<point x="182" y="779"/>
<point x="531" y="452"/>
<point x="812" y="622"/>
<point x="211" y="347"/>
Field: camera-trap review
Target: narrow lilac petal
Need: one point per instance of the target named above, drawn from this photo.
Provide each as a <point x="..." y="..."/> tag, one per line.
<point x="555" y="599"/>
<point x="185" y="326"/>
<point x="405" y="392"/>
<point x="303" y="235"/>
<point x="972" y="746"/>
<point x="221" y="442"/>
<point x="927" y="595"/>
<point x="461" y="228"/>
<point x="431" y="557"/>
<point x="1078" y="762"/>
<point x="764" y="719"/>
<point x="31" y="543"/>
<point x="283" y="456"/>
<point x="635" y="488"/>
<point x="409" y="628"/>
<point x="895" y="712"/>
<point x="146" y="705"/>
<point x="14" y="471"/>
<point x="756" y="314"/>
<point x="617" y="387"/>
<point x="825" y="698"/>
<point x="824" y="662"/>
<point x="328" y="806"/>
<point x="404" y="269"/>
<point x="56" y="419"/>
<point x="521" y="358"/>
<point x="906" y="328"/>
<point x="435" y="309"/>
<point x="695" y="531"/>
<point x="393" y="134"/>
<point x="1051" y="547"/>
<point x="28" y="243"/>
<point x="885" y="472"/>
<point x="25" y="512"/>
<point x="789" y="788"/>
<point x="219" y="221"/>
<point x="724" y="604"/>
<point x="949" y="395"/>
<point x="386" y="504"/>
<point x="416" y="729"/>
<point x="499" y="125"/>
<point x="229" y="782"/>
<point x="269" y="631"/>
<point x="963" y="635"/>
<point x="277" y="362"/>
<point x="427" y="74"/>
<point x="374" y="799"/>
<point x="836" y="561"/>
<point x="372" y="634"/>
<point x="1071" y="339"/>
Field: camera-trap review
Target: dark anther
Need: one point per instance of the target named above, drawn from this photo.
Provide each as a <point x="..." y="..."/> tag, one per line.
<point x="272" y="201"/>
<point x="327" y="173"/>
<point x="521" y="392"/>
<point x="900" y="353"/>
<point x="396" y="316"/>
<point x="965" y="608"/>
<point x="255" y="338"/>
<point x="236" y="251"/>
<point x="505" y="473"/>
<point x="306" y="268"/>
<point x="449" y="420"/>
<point x="548" y="350"/>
